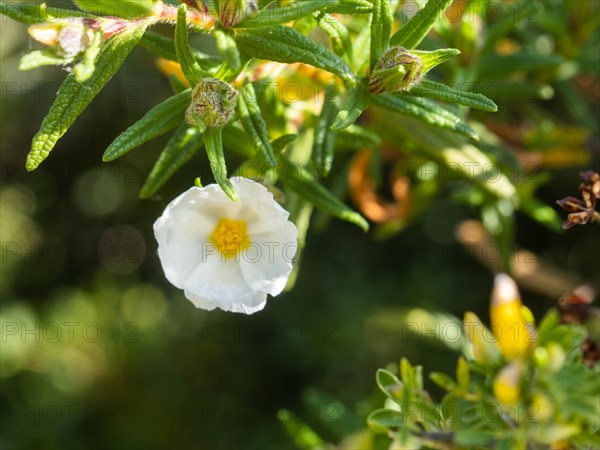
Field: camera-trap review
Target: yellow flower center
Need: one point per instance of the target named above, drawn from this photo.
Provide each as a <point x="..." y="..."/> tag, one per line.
<point x="230" y="237"/>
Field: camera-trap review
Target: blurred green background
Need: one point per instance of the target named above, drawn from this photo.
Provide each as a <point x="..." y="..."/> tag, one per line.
<point x="98" y="350"/>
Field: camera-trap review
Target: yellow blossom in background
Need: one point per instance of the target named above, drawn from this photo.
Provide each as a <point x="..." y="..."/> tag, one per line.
<point x="507" y="385"/>
<point x="508" y="322"/>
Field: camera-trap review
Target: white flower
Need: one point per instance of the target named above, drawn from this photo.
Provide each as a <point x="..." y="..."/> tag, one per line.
<point x="227" y="254"/>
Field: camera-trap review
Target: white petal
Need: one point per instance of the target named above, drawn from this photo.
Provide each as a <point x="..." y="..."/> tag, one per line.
<point x="209" y="202"/>
<point x="219" y="283"/>
<point x="183" y="229"/>
<point x="267" y="264"/>
<point x="180" y="246"/>
<point x="258" y="207"/>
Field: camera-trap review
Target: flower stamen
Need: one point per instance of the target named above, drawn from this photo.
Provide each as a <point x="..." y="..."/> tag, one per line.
<point x="230" y="237"/>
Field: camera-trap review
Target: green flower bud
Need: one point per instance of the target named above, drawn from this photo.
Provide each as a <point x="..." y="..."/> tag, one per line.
<point x="213" y="104"/>
<point x="396" y="70"/>
<point x="232" y="12"/>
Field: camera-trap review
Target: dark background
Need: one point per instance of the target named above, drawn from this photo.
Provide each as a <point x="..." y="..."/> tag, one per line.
<point x="99" y="351"/>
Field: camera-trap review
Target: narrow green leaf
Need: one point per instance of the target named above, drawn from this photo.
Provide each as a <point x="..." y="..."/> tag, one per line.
<point x="85" y="68"/>
<point x="425" y="111"/>
<point x="159" y="120"/>
<point x="73" y="97"/>
<point x="438" y="91"/>
<point x="282" y="142"/>
<point x="127" y="9"/>
<point x="435" y="57"/>
<point x="442" y="380"/>
<point x="213" y="142"/>
<point x="303" y="183"/>
<point x="254" y="124"/>
<point x="381" y="420"/>
<point x="356" y="137"/>
<point x="389" y="384"/>
<point x="302" y="435"/>
<point x="184" y="144"/>
<point x="356" y="103"/>
<point x="228" y="73"/>
<point x="381" y="29"/>
<point x="323" y="150"/>
<point x="463" y="376"/>
<point x="283" y="14"/>
<point x="499" y="67"/>
<point x="191" y="69"/>
<point x="236" y="140"/>
<point x="39" y="58"/>
<point x="411" y="34"/>
<point x="300" y="214"/>
<point x="176" y="84"/>
<point x="227" y="47"/>
<point x="337" y="32"/>
<point x="350" y="7"/>
<point x="165" y="48"/>
<point x="37" y="13"/>
<point x="286" y="45"/>
<point x="542" y="213"/>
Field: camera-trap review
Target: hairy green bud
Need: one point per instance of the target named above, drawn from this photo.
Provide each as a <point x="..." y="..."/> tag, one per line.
<point x="213" y="104"/>
<point x="396" y="70"/>
<point x="232" y="12"/>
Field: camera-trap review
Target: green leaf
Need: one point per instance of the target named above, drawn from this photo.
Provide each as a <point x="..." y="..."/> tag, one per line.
<point x="463" y="376"/>
<point x="349" y="7"/>
<point x="435" y="57"/>
<point x="408" y="375"/>
<point x="443" y="381"/>
<point x="550" y="321"/>
<point x="228" y="74"/>
<point x="356" y="137"/>
<point x="213" y="142"/>
<point x="159" y="120"/>
<point x="227" y="47"/>
<point x="282" y="142"/>
<point x="389" y="384"/>
<point x="85" y="68"/>
<point x="322" y="153"/>
<point x="283" y="14"/>
<point x="165" y="48"/>
<point x="356" y="103"/>
<point x="303" y="436"/>
<point x="191" y="69"/>
<point x="438" y="91"/>
<point x="39" y="58"/>
<point x="381" y="29"/>
<point x="411" y="34"/>
<point x="300" y="214"/>
<point x="286" y="45"/>
<point x="498" y="67"/>
<point x="254" y="124"/>
<point x="542" y="213"/>
<point x="337" y="32"/>
<point x="381" y="420"/>
<point x="127" y="9"/>
<point x="73" y="97"/>
<point x="425" y="111"/>
<point x="184" y="144"/>
<point x="302" y="182"/>
<point x="235" y="139"/>
<point x="32" y="13"/>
